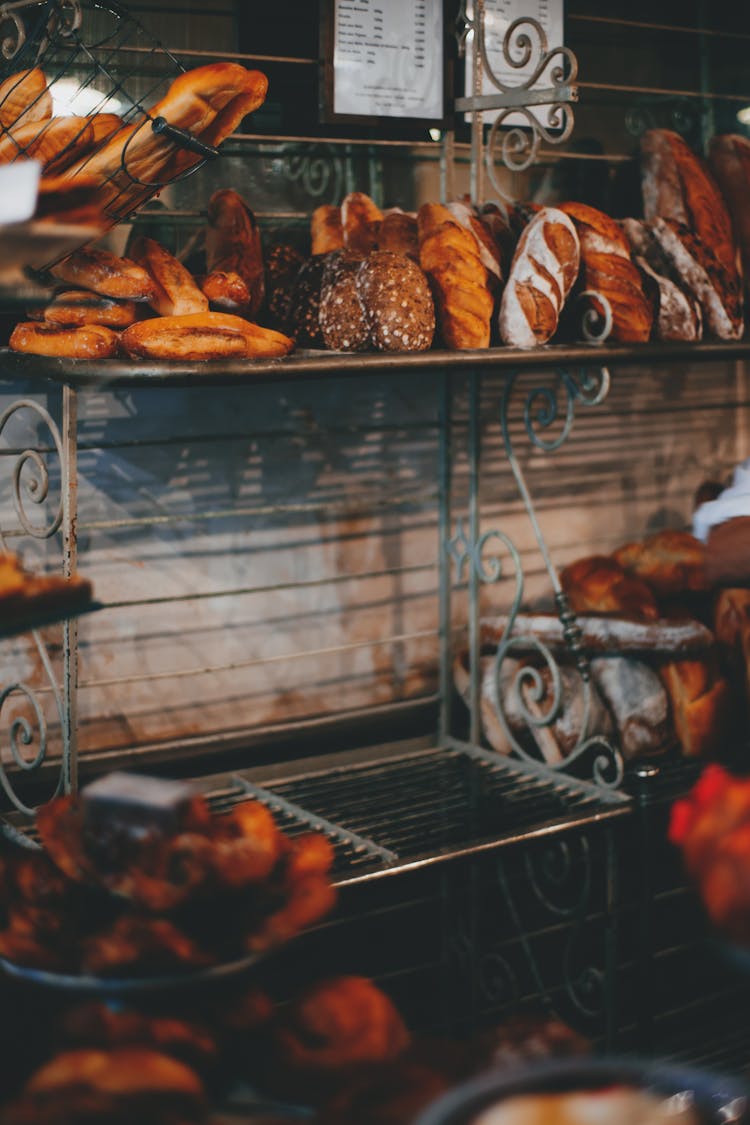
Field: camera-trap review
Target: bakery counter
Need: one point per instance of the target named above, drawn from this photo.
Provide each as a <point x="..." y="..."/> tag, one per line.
<point x="317" y="364"/>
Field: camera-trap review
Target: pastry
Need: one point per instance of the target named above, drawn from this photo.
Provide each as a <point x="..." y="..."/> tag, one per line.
<point x="105" y="273"/>
<point x="203" y="336"/>
<point x="670" y="562"/>
<point x="90" y="341"/>
<point x="75" y="307"/>
<point x="599" y="584"/>
<point x="326" y="231"/>
<point x="544" y="269"/>
<point x="233" y="245"/>
<point x="398" y="307"/>
<point x="450" y="256"/>
<point x="177" y="293"/>
<point x="341" y="316"/>
<point x="360" y="220"/>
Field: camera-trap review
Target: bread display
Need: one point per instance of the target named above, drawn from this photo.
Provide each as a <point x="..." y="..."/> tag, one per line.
<point x="398" y="308"/>
<point x="105" y="273"/>
<point x="450" y="256"/>
<point x="360" y="221"/>
<point x="341" y="316"/>
<point x="75" y="307"/>
<point x="606" y="269"/>
<point x="233" y="247"/>
<point x="542" y="274"/>
<point x="326" y="231"/>
<point x="203" y="336"/>
<point x="176" y="293"/>
<point x="89" y="341"/>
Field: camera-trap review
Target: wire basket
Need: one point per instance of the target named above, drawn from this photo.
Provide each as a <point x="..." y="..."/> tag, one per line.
<point x="102" y="74"/>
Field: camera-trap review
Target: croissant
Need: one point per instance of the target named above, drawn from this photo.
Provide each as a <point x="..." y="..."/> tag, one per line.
<point x="449" y="255"/>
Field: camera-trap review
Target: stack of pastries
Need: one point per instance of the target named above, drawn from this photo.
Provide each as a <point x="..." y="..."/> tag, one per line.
<point x="669" y="658"/>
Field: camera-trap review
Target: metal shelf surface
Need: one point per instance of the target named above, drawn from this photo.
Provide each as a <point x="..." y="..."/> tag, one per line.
<point x="316" y="365"/>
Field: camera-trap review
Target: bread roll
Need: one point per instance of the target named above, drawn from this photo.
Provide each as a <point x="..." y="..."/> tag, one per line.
<point x="233" y="244"/>
<point x="326" y="231"/>
<point x="606" y="268"/>
<point x="79" y="306"/>
<point x="24" y="98"/>
<point x="177" y="293"/>
<point x="341" y="316"/>
<point x="107" y="274"/>
<point x="225" y="289"/>
<point x="91" y="341"/>
<point x="677" y="185"/>
<point x="544" y="269"/>
<point x="701" y="705"/>
<point x="449" y="255"/>
<point x="670" y="562"/>
<point x="599" y="584"/>
<point x="202" y="336"/>
<point x="717" y="291"/>
<point x="398" y="232"/>
<point x="361" y="220"/>
<point x="397" y="303"/>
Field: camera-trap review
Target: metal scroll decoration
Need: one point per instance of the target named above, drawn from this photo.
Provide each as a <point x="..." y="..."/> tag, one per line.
<point x="525" y="677"/>
<point x="515" y="143"/>
<point x="31" y="488"/>
<point x="64" y="17"/>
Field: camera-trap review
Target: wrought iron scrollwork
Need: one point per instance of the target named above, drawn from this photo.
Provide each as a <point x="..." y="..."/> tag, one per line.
<point x="64" y="20"/>
<point x="31" y="486"/>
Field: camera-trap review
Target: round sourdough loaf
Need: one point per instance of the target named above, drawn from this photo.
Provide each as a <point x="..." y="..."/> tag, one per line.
<point x="397" y="302"/>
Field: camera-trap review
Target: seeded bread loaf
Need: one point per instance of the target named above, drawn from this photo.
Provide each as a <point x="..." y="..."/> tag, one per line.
<point x="342" y="319"/>
<point x="397" y="303"/>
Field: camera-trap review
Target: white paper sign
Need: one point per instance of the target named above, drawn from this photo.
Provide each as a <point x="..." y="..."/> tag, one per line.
<point x="388" y="58"/>
<point x="499" y="15"/>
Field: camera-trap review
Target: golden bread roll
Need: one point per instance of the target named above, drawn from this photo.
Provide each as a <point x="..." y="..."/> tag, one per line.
<point x="77" y="307"/>
<point x="203" y="336"/>
<point x="105" y="273"/>
<point x="599" y="584"/>
<point x="209" y="102"/>
<point x="326" y="231"/>
<point x="701" y="705"/>
<point x="233" y="245"/>
<point x="449" y="254"/>
<point x="361" y="220"/>
<point x="24" y="98"/>
<point x="177" y="292"/>
<point x="90" y="341"/>
<point x="226" y="289"/>
<point x="670" y="562"/>
<point x="124" y="1070"/>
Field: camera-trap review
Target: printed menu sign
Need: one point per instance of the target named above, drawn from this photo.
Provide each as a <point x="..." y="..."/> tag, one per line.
<point x="498" y="16"/>
<point x="388" y="58"/>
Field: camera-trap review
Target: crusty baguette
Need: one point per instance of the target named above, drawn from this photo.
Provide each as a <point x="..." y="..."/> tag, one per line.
<point x="543" y="271"/>
<point x="105" y="273"/>
<point x="90" y="341"/>
<point x="203" y="336"/>
<point x="233" y="244"/>
<point x="208" y="102"/>
<point x="360" y="219"/>
<point x="326" y="232"/>
<point x="24" y="98"/>
<point x="177" y="293"/>
<point x="450" y="256"/>
<point x="76" y="307"/>
<point x="100" y="127"/>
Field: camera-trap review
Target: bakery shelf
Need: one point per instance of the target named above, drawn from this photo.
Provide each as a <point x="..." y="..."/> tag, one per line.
<point x="315" y="365"/>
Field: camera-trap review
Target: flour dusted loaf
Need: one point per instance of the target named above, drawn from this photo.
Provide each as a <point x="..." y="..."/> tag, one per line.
<point x="544" y="269"/>
<point x="395" y="297"/>
<point x="677" y="314"/>
<point x="450" y="256"/>
<point x="638" y="701"/>
<point x="606" y="268"/>
<point x="342" y="320"/>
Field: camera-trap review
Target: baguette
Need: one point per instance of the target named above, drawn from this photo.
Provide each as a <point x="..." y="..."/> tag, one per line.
<point x="233" y="245"/>
<point x="450" y="256"/>
<point x="90" y="341"/>
<point x="177" y="294"/>
<point x="101" y="126"/>
<point x="24" y="98"/>
<point x="45" y="141"/>
<point x="677" y="314"/>
<point x="203" y="336"/>
<point x="209" y="102"/>
<point x="360" y="220"/>
<point x="544" y="269"/>
<point x="326" y="231"/>
<point x="717" y="291"/>
<point x="729" y="157"/>
<point x="104" y="273"/>
<point x="78" y="306"/>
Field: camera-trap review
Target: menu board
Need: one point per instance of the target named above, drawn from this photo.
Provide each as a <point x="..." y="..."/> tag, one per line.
<point x="498" y="16"/>
<point x="388" y="58"/>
